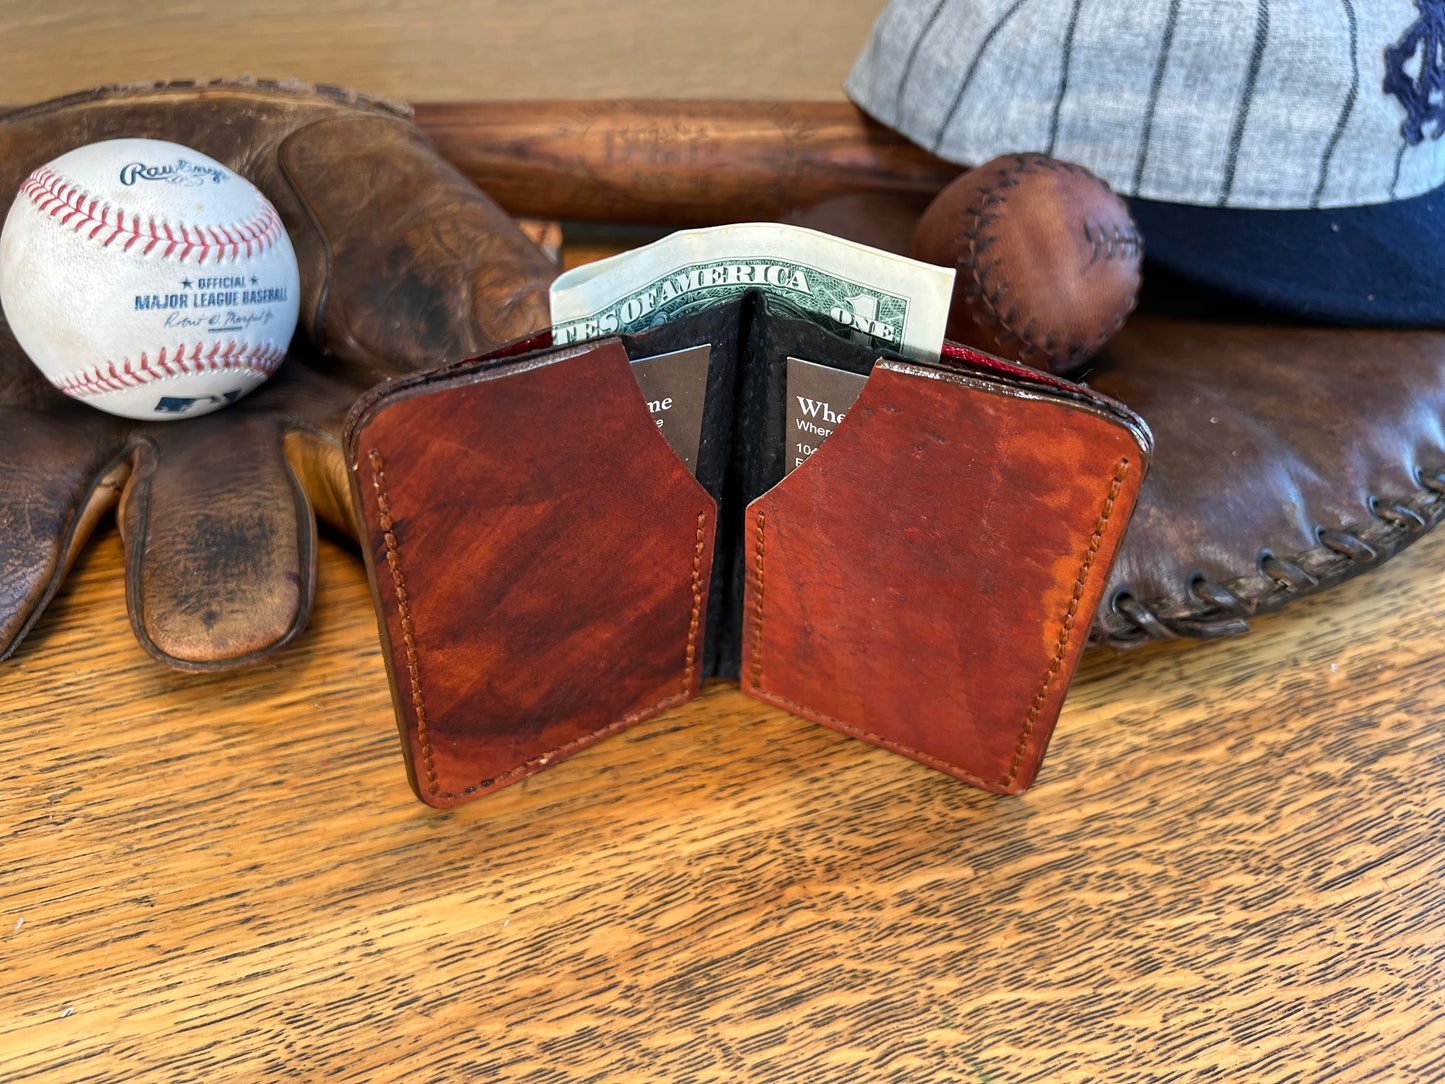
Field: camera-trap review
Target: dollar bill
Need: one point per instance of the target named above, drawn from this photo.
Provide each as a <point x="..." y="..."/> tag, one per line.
<point x="855" y="291"/>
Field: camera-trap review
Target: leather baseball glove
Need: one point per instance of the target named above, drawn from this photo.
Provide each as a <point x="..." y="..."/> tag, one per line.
<point x="1289" y="458"/>
<point x="404" y="265"/>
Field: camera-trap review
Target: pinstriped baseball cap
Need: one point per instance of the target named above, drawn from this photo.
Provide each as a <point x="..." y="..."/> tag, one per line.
<point x="1299" y="133"/>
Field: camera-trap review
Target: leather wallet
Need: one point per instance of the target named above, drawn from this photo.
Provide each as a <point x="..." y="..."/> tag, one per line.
<point x="548" y="572"/>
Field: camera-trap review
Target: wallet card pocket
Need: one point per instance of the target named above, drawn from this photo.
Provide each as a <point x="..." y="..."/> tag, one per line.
<point x="924" y="580"/>
<point x="541" y="560"/>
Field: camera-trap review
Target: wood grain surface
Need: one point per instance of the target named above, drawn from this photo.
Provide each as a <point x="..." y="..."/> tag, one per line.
<point x="676" y="163"/>
<point x="1231" y="868"/>
<point x="444" y="49"/>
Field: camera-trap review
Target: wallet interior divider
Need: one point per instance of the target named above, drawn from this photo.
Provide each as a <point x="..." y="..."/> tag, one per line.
<point x="547" y="571"/>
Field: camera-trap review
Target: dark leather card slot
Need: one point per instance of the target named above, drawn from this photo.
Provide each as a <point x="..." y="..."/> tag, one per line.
<point x="923" y="581"/>
<point x="541" y="559"/>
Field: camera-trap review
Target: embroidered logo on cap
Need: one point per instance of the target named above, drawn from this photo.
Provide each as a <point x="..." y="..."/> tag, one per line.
<point x="1422" y="94"/>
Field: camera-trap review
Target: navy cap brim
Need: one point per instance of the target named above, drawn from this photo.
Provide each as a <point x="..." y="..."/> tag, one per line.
<point x="1381" y="265"/>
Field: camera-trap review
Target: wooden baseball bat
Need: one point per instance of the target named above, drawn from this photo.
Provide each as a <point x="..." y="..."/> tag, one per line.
<point x="676" y="163"/>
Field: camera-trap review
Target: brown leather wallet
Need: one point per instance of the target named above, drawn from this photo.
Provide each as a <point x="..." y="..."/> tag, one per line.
<point x="548" y="572"/>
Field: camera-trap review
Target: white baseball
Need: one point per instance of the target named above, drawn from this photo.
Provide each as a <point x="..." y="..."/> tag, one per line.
<point x="147" y="279"/>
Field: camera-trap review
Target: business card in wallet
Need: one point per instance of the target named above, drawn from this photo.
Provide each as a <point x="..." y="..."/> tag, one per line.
<point x="549" y="571"/>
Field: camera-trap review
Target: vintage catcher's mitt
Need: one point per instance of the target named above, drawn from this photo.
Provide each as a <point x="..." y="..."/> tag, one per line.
<point x="404" y="264"/>
<point x="1288" y="459"/>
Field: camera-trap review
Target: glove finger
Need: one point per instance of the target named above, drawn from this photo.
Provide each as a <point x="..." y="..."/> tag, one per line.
<point x="316" y="459"/>
<point x="311" y="406"/>
<point x="315" y="402"/>
<point x="57" y="478"/>
<point x="220" y="543"/>
<point x="421" y="267"/>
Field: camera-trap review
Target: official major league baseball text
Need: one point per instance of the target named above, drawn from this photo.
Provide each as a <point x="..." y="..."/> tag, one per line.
<point x="147" y="279"/>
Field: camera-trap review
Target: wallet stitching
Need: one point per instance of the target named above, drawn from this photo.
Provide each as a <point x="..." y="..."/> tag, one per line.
<point x="567" y="749"/>
<point x="1066" y="630"/>
<point x="1096" y="541"/>
<point x="408" y="627"/>
<point x="756" y="662"/>
<point x="891" y="744"/>
<point x="690" y="665"/>
<point x="756" y="671"/>
<point x="408" y="633"/>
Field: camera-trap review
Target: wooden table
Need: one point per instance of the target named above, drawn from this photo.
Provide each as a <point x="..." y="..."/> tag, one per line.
<point x="1232" y="868"/>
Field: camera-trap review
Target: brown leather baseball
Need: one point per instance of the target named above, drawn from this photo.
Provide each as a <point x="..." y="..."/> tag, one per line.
<point x="1047" y="257"/>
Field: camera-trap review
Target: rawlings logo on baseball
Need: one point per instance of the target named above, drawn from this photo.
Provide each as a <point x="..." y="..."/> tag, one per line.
<point x="147" y="300"/>
<point x="182" y="173"/>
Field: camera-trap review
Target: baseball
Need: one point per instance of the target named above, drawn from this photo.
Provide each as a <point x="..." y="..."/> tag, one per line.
<point x="147" y="279"/>
<point x="1047" y="258"/>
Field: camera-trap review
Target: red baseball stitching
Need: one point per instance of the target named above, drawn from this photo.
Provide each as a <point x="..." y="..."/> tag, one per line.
<point x="258" y="358"/>
<point x="72" y="206"/>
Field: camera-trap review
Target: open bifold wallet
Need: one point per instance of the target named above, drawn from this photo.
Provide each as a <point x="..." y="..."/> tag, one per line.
<point x="906" y="551"/>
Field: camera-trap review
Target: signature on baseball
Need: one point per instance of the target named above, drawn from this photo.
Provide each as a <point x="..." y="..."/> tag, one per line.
<point x="182" y="173"/>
